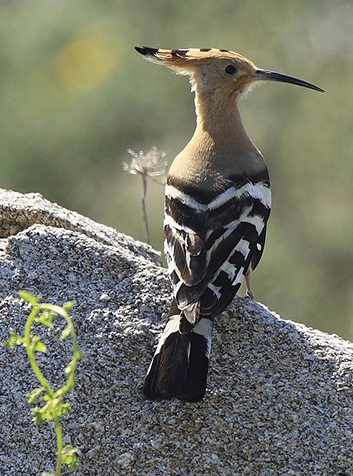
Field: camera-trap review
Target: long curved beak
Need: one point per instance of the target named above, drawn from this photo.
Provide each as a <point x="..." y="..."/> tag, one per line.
<point x="264" y="75"/>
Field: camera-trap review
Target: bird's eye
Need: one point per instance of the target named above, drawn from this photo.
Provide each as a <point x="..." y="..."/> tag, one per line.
<point x="230" y="69"/>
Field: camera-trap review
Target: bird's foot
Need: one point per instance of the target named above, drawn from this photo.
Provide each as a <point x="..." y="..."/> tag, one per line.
<point x="249" y="295"/>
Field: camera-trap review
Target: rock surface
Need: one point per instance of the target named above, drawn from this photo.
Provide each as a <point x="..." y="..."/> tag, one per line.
<point x="279" y="398"/>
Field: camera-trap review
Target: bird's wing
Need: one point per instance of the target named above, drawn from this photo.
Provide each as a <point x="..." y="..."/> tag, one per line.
<point x="210" y="246"/>
<point x="185" y="226"/>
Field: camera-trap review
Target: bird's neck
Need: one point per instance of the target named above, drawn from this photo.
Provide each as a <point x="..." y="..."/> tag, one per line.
<point x="220" y="147"/>
<point x="218" y="118"/>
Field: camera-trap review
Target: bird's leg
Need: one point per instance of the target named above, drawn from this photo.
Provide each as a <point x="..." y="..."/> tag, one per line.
<point x="248" y="294"/>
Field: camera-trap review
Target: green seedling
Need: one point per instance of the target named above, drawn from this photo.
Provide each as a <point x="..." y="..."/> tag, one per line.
<point x="44" y="314"/>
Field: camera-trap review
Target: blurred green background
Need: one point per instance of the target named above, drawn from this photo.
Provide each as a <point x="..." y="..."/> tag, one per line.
<point x="75" y="96"/>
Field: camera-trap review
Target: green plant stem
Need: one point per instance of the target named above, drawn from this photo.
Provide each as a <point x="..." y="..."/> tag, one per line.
<point x="59" y="440"/>
<point x="31" y="352"/>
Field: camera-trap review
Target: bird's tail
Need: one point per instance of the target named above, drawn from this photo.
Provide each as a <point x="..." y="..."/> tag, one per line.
<point x="180" y="363"/>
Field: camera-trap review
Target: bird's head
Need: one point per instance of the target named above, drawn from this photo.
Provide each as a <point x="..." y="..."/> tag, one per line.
<point x="217" y="71"/>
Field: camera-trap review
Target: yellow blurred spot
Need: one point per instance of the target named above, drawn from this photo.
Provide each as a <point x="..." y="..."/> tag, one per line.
<point x="84" y="63"/>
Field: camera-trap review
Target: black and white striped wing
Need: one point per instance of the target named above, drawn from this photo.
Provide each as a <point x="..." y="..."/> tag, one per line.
<point x="210" y="244"/>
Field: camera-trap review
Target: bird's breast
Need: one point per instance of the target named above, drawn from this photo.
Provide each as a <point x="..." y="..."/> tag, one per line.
<point x="205" y="174"/>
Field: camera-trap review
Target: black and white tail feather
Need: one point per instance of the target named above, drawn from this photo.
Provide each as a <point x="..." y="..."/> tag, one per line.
<point x="180" y="364"/>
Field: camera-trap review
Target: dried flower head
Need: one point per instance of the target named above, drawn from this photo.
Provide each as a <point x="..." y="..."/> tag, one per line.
<point x="151" y="164"/>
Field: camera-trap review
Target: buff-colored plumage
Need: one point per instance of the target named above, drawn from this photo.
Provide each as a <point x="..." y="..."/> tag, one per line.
<point x="217" y="204"/>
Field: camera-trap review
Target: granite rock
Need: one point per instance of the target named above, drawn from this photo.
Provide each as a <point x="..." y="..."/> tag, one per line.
<point x="279" y="399"/>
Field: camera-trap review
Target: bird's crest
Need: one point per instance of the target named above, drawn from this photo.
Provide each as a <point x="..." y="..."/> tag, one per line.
<point x="186" y="59"/>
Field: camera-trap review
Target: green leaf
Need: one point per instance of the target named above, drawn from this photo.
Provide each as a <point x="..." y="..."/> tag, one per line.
<point x="72" y="466"/>
<point x="69" y="457"/>
<point x="32" y="397"/>
<point x="29" y="298"/>
<point x="48" y="412"/>
<point x="39" y="416"/>
<point x="63" y="408"/>
<point x="45" y="318"/>
<point x="66" y="333"/>
<point x="68" y="306"/>
<point x="14" y="340"/>
<point x="37" y="345"/>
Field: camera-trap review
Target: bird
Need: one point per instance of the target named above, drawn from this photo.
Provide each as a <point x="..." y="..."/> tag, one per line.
<point x="216" y="209"/>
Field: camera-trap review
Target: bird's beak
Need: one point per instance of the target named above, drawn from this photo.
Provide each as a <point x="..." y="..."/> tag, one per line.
<point x="264" y="75"/>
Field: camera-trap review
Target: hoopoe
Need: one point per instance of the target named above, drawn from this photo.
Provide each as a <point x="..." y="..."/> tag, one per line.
<point x="217" y="203"/>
